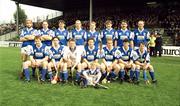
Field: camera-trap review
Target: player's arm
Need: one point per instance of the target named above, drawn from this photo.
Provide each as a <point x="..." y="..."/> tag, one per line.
<point x="33" y="61"/>
<point x="104" y="62"/>
<point x="123" y="62"/>
<point x="114" y="62"/>
<point x="85" y="60"/>
<point x="131" y="44"/>
<point x="32" y="36"/>
<point x="22" y="38"/>
<point x="29" y="37"/>
<point x="115" y="42"/>
<point x="46" y="37"/>
<point x="132" y="40"/>
<point x="138" y="63"/>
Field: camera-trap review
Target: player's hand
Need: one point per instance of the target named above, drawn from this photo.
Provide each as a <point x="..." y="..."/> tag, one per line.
<point x="38" y="63"/>
<point x="89" y="65"/>
<point x="33" y="63"/>
<point x="110" y="67"/>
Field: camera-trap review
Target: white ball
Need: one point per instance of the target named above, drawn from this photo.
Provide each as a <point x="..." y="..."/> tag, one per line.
<point x="104" y="81"/>
<point x="53" y="82"/>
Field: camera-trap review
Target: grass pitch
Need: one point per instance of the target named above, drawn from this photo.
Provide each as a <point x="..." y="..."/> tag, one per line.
<point x="14" y="92"/>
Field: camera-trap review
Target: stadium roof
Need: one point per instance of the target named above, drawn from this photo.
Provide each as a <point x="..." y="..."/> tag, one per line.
<point x="64" y="5"/>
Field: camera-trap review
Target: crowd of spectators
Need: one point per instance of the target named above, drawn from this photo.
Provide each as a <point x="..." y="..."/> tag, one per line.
<point x="6" y="28"/>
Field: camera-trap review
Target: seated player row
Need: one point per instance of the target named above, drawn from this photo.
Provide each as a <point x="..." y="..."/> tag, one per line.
<point x="116" y="62"/>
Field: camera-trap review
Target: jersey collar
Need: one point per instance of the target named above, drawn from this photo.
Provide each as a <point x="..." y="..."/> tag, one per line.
<point x="90" y="48"/>
<point x="45" y="30"/>
<point x="124" y="30"/>
<point x="79" y="29"/>
<point x="109" y="29"/>
<point x="29" y="29"/>
<point x="124" y="49"/>
<point x="140" y="30"/>
<point x="61" y="29"/>
<point x="92" y="31"/>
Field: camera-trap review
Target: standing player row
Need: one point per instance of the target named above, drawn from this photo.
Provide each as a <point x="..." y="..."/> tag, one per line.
<point x="138" y="35"/>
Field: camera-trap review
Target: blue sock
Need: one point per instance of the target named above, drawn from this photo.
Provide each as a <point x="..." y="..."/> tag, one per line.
<point x="85" y="81"/>
<point x="104" y="74"/>
<point x="109" y="76"/>
<point x="77" y="76"/>
<point x="122" y="73"/>
<point x="137" y="74"/>
<point x="151" y="74"/>
<point x="50" y="75"/>
<point x="27" y="74"/>
<point x="131" y="74"/>
<point x="144" y="75"/>
<point x="43" y="74"/>
<point x="61" y="76"/>
<point x="33" y="71"/>
<point x="65" y="73"/>
<point x="113" y="75"/>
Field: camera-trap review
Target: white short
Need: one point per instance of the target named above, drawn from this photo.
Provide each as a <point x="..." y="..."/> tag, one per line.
<point x="109" y="63"/>
<point x="47" y="49"/>
<point x="27" y="50"/>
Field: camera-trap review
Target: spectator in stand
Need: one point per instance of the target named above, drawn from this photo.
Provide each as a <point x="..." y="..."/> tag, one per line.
<point x="152" y="44"/>
<point x="158" y="46"/>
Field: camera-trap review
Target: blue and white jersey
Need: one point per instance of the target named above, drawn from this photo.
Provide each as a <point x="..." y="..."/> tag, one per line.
<point x="123" y="34"/>
<point x="27" y="32"/>
<point x="39" y="52"/>
<point x="95" y="35"/>
<point x="125" y="55"/>
<point x="91" y="54"/>
<point x="79" y="36"/>
<point x="141" y="56"/>
<point x="47" y="32"/>
<point x="106" y="34"/>
<point x="141" y="36"/>
<point x="56" y="53"/>
<point x="109" y="55"/>
<point x="63" y="36"/>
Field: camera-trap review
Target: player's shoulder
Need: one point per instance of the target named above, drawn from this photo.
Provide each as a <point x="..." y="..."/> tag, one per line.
<point x="135" y="30"/>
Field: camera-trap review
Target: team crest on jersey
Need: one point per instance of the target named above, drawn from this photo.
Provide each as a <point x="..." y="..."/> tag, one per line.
<point x="87" y="53"/>
<point x="144" y="34"/>
<point x="137" y="34"/>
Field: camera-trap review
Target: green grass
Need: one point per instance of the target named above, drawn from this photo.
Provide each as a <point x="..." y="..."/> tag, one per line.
<point x="14" y="92"/>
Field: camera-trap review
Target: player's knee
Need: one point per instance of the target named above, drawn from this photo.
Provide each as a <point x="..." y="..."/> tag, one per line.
<point x="117" y="67"/>
<point x="151" y="67"/>
<point x="103" y="67"/>
<point x="133" y="66"/>
<point x="79" y="66"/>
<point x="45" y="64"/>
<point x="138" y="67"/>
<point x="25" y="65"/>
<point x="122" y="66"/>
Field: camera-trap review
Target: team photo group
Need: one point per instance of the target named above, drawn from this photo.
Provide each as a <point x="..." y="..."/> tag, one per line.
<point x="86" y="57"/>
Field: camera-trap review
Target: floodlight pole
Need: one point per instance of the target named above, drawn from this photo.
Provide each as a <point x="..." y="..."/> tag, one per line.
<point x="90" y="10"/>
<point x="17" y="18"/>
